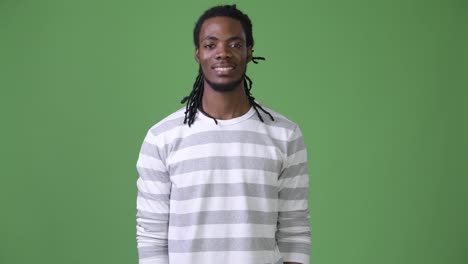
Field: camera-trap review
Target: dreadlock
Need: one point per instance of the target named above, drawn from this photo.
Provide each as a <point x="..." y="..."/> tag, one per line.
<point x="193" y="100"/>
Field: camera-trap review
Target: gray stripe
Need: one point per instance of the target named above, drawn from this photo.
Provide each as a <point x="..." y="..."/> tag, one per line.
<point x="168" y="125"/>
<point x="289" y="247"/>
<point x="148" y="251"/>
<point x="224" y="163"/>
<point x="295" y="146"/>
<point x="149" y="149"/>
<point x="294" y="214"/>
<point x="154" y="216"/>
<point x="224" y="217"/>
<point x="294" y="170"/>
<point x="294" y="194"/>
<point x="225" y="137"/>
<point x="155" y="197"/>
<point x="153" y="175"/>
<point x="224" y="190"/>
<point x="283" y="223"/>
<point x="154" y="227"/>
<point x="281" y="235"/>
<point x="222" y="244"/>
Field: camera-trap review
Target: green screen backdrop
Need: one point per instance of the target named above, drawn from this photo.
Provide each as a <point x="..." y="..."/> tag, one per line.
<point x="378" y="88"/>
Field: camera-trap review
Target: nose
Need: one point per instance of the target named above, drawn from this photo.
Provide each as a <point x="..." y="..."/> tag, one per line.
<point x="223" y="52"/>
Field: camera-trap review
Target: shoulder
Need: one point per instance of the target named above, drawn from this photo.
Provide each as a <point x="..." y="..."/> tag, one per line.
<point x="170" y="122"/>
<point x="280" y="121"/>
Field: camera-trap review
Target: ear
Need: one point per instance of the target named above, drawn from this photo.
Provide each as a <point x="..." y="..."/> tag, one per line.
<point x="197" y="55"/>
<point x="249" y="54"/>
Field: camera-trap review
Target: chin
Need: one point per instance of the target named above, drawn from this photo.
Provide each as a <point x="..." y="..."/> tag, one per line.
<point x="226" y="86"/>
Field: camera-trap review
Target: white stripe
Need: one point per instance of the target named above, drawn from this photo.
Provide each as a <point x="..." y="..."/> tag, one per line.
<point x="222" y="231"/>
<point x="148" y="162"/>
<point x="151" y="139"/>
<point x="297" y="239"/>
<point x="144" y="238"/>
<point x="224" y="257"/>
<point x="225" y="150"/>
<point x="294" y="229"/>
<point x="299" y="181"/>
<point x="152" y="206"/>
<point x="292" y="205"/>
<point x="153" y="260"/>
<point x="153" y="187"/>
<point x="148" y="221"/>
<point x="223" y="203"/>
<point x="224" y="176"/>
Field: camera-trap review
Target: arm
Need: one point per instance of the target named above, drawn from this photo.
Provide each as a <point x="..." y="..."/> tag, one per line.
<point x="152" y="216"/>
<point x="293" y="231"/>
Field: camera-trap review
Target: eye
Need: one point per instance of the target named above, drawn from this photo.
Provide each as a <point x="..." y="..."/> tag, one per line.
<point x="209" y="46"/>
<point x="236" y="45"/>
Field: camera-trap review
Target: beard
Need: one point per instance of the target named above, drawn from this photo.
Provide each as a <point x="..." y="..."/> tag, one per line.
<point x="225" y="87"/>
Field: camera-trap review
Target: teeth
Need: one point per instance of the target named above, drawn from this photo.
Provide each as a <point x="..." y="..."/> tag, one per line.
<point x="223" y="68"/>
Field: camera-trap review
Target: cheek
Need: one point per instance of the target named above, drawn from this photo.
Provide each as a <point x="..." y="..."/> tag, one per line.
<point x="204" y="59"/>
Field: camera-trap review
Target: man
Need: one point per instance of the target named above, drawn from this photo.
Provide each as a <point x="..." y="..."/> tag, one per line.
<point x="223" y="180"/>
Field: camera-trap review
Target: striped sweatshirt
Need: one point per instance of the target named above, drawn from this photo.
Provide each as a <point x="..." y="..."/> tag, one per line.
<point x="233" y="192"/>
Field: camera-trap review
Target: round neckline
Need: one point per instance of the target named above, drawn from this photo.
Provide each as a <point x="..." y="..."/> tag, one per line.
<point x="224" y="122"/>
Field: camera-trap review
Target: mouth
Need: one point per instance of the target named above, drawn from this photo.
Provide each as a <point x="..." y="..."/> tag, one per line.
<point x="223" y="69"/>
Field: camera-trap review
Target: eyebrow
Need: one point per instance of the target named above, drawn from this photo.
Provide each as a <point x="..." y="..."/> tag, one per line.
<point x="229" y="39"/>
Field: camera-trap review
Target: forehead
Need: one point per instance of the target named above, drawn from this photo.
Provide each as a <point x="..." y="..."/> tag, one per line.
<point x="221" y="27"/>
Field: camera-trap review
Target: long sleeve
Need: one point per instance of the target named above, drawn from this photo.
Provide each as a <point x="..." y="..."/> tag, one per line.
<point x="152" y="217"/>
<point x="293" y="230"/>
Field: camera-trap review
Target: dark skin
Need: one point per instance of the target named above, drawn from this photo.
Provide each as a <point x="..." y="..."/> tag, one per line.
<point x="223" y="56"/>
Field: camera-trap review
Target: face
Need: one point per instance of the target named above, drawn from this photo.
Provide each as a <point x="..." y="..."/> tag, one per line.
<point x="222" y="53"/>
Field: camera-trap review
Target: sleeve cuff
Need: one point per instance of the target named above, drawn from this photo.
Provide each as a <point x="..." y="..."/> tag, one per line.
<point x="295" y="257"/>
<point x="154" y="260"/>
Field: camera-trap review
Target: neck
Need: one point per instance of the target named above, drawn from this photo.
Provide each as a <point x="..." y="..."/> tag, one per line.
<point x="225" y="105"/>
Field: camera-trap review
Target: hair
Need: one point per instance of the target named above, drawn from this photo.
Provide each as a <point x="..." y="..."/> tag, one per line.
<point x="193" y="100"/>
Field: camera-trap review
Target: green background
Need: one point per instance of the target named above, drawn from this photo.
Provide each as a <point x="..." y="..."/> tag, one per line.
<point x="378" y="88"/>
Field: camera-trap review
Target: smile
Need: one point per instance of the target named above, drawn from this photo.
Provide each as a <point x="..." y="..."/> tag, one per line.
<point x="223" y="70"/>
